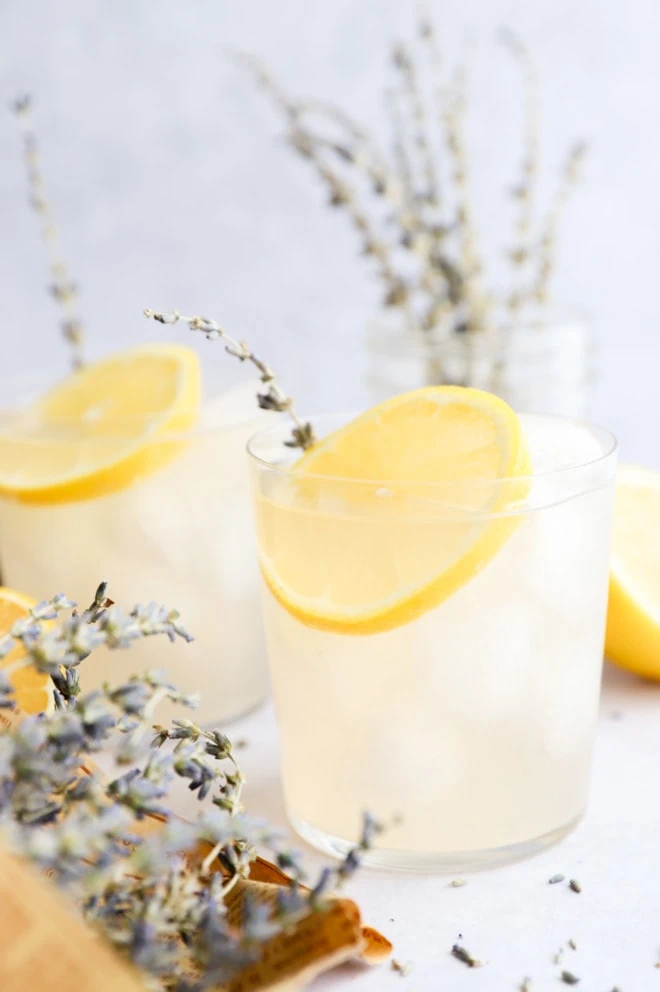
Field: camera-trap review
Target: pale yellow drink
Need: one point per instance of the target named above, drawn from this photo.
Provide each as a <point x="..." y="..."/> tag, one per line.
<point x="468" y="731"/>
<point x="178" y="531"/>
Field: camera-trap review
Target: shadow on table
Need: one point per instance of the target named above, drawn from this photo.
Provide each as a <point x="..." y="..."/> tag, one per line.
<point x="623" y="690"/>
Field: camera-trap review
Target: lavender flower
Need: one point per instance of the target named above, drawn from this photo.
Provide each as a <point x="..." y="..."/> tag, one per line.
<point x="62" y="288"/>
<point x="413" y="208"/>
<point x="152" y="898"/>
<point x="272" y="397"/>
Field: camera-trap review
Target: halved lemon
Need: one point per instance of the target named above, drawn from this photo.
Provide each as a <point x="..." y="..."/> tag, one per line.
<point x="33" y="692"/>
<point x="345" y="552"/>
<point x="633" y="613"/>
<point x="101" y="428"/>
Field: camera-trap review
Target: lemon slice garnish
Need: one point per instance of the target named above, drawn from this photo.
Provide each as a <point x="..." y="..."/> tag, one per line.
<point x="345" y="553"/>
<point x="633" y="614"/>
<point x="33" y="691"/>
<point x="102" y="428"/>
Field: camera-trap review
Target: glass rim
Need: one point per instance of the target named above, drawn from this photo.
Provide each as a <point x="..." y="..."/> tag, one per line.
<point x="608" y="440"/>
<point x="145" y="427"/>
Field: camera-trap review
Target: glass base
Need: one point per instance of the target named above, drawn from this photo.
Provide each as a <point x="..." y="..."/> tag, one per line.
<point x="433" y="861"/>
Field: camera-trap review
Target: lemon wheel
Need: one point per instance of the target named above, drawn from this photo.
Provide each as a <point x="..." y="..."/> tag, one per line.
<point x="345" y="552"/>
<point x="633" y="615"/>
<point x="102" y="428"/>
<point x="33" y="691"/>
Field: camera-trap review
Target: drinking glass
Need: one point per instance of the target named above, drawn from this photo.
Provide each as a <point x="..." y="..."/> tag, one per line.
<point x="179" y="533"/>
<point x="466" y="727"/>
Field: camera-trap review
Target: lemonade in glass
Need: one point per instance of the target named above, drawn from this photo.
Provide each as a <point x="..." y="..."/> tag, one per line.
<point x="128" y="471"/>
<point x="434" y="587"/>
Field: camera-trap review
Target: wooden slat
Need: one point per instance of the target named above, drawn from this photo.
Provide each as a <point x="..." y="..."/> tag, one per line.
<point x="45" y="946"/>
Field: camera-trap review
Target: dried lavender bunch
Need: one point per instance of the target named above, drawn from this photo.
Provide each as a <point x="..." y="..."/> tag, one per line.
<point x="62" y="287"/>
<point x="152" y="898"/>
<point x="412" y="208"/>
<point x="352" y="148"/>
<point x="273" y="397"/>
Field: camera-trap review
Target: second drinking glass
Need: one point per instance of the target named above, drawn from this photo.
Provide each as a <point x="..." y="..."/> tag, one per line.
<point x="130" y="472"/>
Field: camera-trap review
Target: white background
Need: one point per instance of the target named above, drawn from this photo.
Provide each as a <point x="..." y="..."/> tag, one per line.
<point x="173" y="187"/>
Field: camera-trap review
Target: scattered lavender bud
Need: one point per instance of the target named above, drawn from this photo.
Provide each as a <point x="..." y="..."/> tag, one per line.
<point x="463" y="955"/>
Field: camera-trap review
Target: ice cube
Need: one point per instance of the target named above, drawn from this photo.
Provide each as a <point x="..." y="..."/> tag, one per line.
<point x="555" y="443"/>
<point x="473" y="654"/>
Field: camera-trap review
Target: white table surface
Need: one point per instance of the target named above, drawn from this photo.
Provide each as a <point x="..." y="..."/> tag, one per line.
<point x="510" y="918"/>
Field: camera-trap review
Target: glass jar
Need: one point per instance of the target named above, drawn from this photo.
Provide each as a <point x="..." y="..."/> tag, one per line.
<point x="540" y="366"/>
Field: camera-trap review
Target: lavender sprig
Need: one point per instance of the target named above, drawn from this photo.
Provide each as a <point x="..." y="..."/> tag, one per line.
<point x="152" y="898"/>
<point x="358" y="151"/>
<point x="58" y="651"/>
<point x="524" y="191"/>
<point x="569" y="178"/>
<point x="406" y="68"/>
<point x="424" y="237"/>
<point x="273" y="397"/>
<point x="63" y="289"/>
